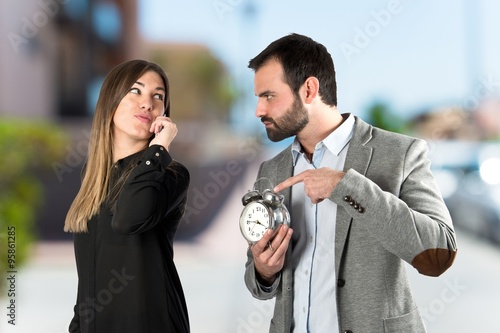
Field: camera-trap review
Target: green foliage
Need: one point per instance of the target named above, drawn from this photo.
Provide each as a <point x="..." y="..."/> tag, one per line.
<point x="381" y="116"/>
<point x="25" y="146"/>
<point x="200" y="87"/>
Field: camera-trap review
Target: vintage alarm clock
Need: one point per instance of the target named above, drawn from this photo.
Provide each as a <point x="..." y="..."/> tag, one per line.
<point x="262" y="211"/>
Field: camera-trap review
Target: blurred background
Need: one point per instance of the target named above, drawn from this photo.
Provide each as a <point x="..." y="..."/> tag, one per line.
<point x="425" y="69"/>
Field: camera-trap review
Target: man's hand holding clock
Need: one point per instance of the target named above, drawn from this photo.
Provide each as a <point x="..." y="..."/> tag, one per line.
<point x="264" y="222"/>
<point x="269" y="253"/>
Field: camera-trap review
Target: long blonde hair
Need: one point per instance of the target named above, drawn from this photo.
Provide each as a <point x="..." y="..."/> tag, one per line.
<point x="95" y="183"/>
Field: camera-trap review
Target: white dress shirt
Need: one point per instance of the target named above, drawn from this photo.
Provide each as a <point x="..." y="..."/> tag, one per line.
<point x="314" y="304"/>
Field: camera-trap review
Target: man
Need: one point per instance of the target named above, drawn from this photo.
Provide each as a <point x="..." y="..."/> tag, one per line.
<point x="362" y="202"/>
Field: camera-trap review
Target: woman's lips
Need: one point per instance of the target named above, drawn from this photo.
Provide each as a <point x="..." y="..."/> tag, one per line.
<point x="143" y="119"/>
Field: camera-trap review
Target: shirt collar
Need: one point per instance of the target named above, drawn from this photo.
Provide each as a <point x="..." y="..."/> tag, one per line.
<point x="335" y="142"/>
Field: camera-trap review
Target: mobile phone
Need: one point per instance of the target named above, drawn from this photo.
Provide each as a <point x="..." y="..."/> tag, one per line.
<point x="165" y="114"/>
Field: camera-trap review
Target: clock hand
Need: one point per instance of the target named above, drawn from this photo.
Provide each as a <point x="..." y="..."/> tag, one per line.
<point x="258" y="222"/>
<point x="255" y="222"/>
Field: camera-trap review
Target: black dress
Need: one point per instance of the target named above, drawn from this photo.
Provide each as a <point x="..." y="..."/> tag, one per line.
<point x="127" y="280"/>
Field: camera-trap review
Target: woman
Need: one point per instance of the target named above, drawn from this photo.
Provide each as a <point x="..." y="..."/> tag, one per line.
<point x="127" y="211"/>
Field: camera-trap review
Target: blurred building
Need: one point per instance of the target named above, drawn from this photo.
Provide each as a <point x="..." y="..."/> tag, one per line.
<point x="455" y="123"/>
<point x="53" y="61"/>
<point x="94" y="36"/>
<point x="27" y="77"/>
<point x="487" y="117"/>
<point x="447" y="123"/>
<point x="58" y="51"/>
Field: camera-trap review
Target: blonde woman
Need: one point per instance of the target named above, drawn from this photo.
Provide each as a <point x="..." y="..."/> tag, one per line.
<point x="127" y="211"/>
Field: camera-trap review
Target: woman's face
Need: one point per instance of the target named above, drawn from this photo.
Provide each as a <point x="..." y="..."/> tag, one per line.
<point x="139" y="108"/>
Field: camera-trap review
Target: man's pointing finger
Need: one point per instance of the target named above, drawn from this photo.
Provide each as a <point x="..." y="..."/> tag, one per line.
<point x="289" y="182"/>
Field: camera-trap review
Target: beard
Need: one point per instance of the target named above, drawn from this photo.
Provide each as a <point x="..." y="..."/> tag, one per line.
<point x="291" y="123"/>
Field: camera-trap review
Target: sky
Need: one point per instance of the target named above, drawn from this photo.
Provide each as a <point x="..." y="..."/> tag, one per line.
<point x="413" y="55"/>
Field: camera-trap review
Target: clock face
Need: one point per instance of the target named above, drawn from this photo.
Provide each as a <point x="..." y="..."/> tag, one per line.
<point x="254" y="221"/>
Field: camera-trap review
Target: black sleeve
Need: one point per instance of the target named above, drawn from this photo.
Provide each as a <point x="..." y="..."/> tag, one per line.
<point x="74" y="326"/>
<point x="155" y="187"/>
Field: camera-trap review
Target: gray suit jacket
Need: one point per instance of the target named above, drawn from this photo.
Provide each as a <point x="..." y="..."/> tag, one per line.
<point x="389" y="211"/>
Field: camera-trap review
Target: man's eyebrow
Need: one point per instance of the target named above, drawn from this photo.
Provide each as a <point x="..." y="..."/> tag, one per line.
<point x="143" y="85"/>
<point x="264" y="93"/>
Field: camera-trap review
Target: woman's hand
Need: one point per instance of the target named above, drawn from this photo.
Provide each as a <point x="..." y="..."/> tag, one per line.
<point x="165" y="131"/>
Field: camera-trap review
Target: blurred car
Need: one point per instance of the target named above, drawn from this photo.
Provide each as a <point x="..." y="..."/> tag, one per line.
<point x="471" y="186"/>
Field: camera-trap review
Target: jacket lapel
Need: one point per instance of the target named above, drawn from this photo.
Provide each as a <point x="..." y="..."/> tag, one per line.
<point x="284" y="170"/>
<point x="358" y="158"/>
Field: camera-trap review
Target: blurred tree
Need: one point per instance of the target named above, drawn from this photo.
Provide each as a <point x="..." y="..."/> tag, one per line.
<point x="381" y="116"/>
<point x="201" y="88"/>
<point x="25" y="146"/>
<point x="201" y="95"/>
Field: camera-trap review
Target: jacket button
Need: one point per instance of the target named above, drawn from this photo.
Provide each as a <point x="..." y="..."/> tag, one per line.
<point x="347" y="198"/>
<point x="352" y="202"/>
<point x="356" y="205"/>
<point x="340" y="283"/>
<point x="361" y="210"/>
<point x="348" y="331"/>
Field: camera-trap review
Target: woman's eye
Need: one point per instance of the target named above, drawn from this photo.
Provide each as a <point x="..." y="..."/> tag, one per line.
<point x="135" y="91"/>
<point x="268" y="97"/>
<point x="159" y="97"/>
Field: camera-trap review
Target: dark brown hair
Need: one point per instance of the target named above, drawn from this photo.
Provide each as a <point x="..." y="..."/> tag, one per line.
<point x="301" y="57"/>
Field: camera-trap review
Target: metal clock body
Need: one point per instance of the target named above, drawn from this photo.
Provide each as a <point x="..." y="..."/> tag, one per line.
<point x="262" y="211"/>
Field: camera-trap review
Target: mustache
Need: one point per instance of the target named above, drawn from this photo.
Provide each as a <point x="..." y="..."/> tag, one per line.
<point x="270" y="120"/>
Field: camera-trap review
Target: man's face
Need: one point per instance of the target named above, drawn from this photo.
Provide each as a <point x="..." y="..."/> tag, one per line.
<point x="282" y="112"/>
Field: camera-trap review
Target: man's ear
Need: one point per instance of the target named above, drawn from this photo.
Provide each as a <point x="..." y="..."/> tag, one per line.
<point x="311" y="86"/>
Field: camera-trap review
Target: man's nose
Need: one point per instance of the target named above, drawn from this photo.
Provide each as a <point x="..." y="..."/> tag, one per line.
<point x="260" y="109"/>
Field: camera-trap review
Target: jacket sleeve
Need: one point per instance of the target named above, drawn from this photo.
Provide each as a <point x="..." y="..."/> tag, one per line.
<point x="154" y="188"/>
<point x="256" y="289"/>
<point x="74" y="325"/>
<point x="413" y="223"/>
<point x="251" y="281"/>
